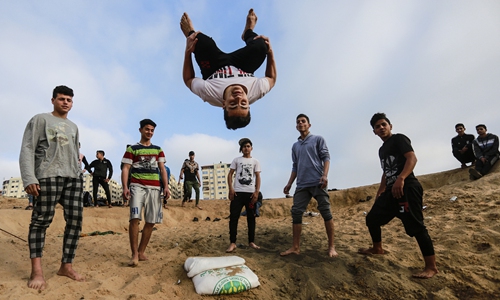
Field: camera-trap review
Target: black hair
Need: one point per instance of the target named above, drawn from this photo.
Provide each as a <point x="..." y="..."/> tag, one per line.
<point x="378" y="116"/>
<point x="303" y="116"/>
<point x="101" y="151"/>
<point x="458" y="125"/>
<point x="242" y="142"/>
<point x="481" y="125"/>
<point x="236" y="122"/>
<point x="63" y="90"/>
<point x="147" y="122"/>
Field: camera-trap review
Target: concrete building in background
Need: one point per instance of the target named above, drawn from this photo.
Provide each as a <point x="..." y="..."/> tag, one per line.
<point x="13" y="188"/>
<point x="214" y="181"/>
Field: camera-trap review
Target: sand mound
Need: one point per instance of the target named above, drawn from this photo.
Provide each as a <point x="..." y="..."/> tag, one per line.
<point x="466" y="235"/>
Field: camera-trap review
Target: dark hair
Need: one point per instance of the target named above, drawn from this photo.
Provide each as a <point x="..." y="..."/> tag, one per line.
<point x="482" y="125"/>
<point x="101" y="151"/>
<point x="378" y="116"/>
<point x="147" y="122"/>
<point x="242" y="142"/>
<point x="236" y="122"/>
<point x="458" y="125"/>
<point x="62" y="89"/>
<point x="303" y="116"/>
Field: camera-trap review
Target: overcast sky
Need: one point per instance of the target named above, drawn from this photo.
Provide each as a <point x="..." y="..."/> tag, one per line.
<point x="427" y="64"/>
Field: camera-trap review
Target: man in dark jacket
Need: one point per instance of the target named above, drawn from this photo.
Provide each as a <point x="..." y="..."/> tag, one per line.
<point x="486" y="151"/>
<point x="462" y="146"/>
<point x="98" y="169"/>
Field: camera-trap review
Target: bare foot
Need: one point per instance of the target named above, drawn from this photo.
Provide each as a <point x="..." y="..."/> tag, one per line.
<point x="199" y="207"/>
<point x="142" y="257"/>
<point x="252" y="245"/>
<point x="37" y="281"/>
<point x="290" y="251"/>
<point x="332" y="252"/>
<point x="231" y="248"/>
<point x="426" y="273"/>
<point x="186" y="24"/>
<point x="370" y="251"/>
<point x="110" y="206"/>
<point x="250" y="23"/>
<point x="133" y="262"/>
<point x="66" y="269"/>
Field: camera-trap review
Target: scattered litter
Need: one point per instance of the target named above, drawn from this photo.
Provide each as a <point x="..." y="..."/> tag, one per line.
<point x="364" y="213"/>
<point x="428" y="218"/>
<point x="216" y="220"/>
<point x="179" y="281"/>
<point x="424" y="207"/>
<point x="453" y="198"/>
<point x="94" y="233"/>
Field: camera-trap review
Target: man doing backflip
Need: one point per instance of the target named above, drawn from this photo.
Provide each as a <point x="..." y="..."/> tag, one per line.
<point x="311" y="162"/>
<point x="51" y="173"/>
<point x="228" y="79"/>
<point x="399" y="195"/>
<point x="144" y="162"/>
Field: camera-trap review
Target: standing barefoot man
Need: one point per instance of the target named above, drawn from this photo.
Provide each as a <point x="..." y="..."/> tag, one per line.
<point x="144" y="162"/>
<point x="311" y="162"/>
<point x="51" y="173"/>
<point x="399" y="195"/>
<point x="227" y="78"/>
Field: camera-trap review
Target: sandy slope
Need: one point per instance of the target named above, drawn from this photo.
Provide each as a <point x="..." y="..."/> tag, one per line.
<point x="466" y="235"/>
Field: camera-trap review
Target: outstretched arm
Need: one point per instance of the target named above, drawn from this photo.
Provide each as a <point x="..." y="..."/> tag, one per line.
<point x="271" y="73"/>
<point x="188" y="69"/>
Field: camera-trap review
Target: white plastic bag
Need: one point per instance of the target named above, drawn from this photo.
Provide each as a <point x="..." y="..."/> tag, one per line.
<point x="228" y="280"/>
<point x="196" y="265"/>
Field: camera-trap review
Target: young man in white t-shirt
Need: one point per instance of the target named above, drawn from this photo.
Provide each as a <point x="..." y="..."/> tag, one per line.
<point x="228" y="79"/>
<point x="246" y="171"/>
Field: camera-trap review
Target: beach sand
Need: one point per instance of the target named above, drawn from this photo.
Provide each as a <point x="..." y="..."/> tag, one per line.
<point x="465" y="232"/>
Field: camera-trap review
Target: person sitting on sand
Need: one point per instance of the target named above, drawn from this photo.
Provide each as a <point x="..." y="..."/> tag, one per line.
<point x="246" y="190"/>
<point x="228" y="79"/>
<point x="461" y="146"/>
<point x="311" y="162"/>
<point x="486" y="151"/>
<point x="144" y="161"/>
<point x="51" y="173"/>
<point x="399" y="195"/>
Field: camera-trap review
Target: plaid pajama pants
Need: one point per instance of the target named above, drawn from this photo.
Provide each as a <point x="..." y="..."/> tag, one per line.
<point x="69" y="193"/>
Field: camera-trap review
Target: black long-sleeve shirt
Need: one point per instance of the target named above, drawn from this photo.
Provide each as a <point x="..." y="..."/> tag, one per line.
<point x="458" y="142"/>
<point x="100" y="168"/>
<point x="486" y="147"/>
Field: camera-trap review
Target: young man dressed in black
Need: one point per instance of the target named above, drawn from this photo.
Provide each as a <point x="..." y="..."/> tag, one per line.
<point x="399" y="195"/>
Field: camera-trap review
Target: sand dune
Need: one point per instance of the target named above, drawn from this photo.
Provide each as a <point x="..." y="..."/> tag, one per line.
<point x="466" y="235"/>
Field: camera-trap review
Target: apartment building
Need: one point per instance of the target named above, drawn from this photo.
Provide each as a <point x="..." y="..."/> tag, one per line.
<point x="214" y="180"/>
<point x="13" y="188"/>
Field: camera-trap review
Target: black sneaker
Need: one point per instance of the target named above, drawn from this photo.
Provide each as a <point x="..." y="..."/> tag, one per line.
<point x="475" y="173"/>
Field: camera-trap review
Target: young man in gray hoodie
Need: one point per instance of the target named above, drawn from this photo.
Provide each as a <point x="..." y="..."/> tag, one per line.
<point x="51" y="174"/>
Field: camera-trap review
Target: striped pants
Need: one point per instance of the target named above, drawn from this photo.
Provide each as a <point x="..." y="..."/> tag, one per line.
<point x="69" y="193"/>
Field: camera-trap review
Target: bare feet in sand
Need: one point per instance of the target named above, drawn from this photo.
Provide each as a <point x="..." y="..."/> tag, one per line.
<point x="134" y="262"/>
<point x="332" y="252"/>
<point x="66" y="269"/>
<point x="370" y="251"/>
<point x="250" y="23"/>
<point x="199" y="207"/>
<point x="142" y="257"/>
<point x="290" y="251"/>
<point x="252" y="245"/>
<point x="186" y="24"/>
<point x="37" y="281"/>
<point x="231" y="248"/>
<point x="426" y="273"/>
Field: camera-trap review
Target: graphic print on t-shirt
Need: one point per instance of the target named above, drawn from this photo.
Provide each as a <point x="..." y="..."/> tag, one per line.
<point x="390" y="167"/>
<point x="245" y="175"/>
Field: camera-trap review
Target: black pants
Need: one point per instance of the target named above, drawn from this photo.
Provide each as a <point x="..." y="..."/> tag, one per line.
<point x="466" y="157"/>
<point x="408" y="209"/>
<point x="241" y="199"/>
<point x="484" y="168"/>
<point x="210" y="58"/>
<point x="96" y="180"/>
